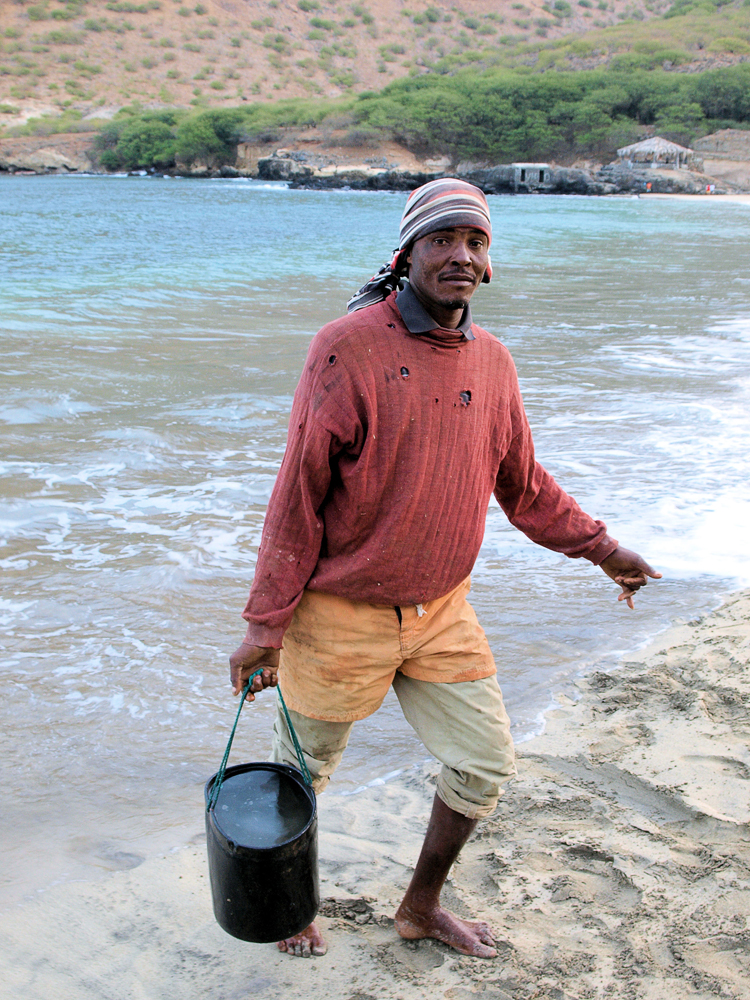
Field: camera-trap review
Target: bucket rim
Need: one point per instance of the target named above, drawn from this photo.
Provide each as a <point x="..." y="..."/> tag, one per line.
<point x="266" y="765"/>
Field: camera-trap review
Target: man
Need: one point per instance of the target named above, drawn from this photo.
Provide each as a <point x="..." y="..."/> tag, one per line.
<point x="406" y="419"/>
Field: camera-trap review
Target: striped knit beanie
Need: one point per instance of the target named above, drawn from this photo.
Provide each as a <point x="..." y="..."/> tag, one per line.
<point x="440" y="204"/>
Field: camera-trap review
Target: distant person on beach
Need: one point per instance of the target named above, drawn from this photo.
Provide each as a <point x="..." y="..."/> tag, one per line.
<point x="407" y="418"/>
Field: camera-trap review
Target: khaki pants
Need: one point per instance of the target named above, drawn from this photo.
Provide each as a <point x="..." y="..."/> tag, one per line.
<point x="340" y="657"/>
<point x="462" y="722"/>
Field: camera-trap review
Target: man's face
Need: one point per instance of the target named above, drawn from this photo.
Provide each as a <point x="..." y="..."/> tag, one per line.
<point x="447" y="266"/>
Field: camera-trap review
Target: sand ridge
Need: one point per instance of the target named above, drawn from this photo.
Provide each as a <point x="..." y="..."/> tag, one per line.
<point x="739" y="199"/>
<point x="617" y="865"/>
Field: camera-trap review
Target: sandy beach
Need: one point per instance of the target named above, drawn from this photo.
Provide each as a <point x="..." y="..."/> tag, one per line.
<point x="739" y="199"/>
<point x="618" y="865"/>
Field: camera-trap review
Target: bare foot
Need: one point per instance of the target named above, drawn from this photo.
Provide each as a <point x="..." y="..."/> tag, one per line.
<point x="468" y="937"/>
<point x="307" y="943"/>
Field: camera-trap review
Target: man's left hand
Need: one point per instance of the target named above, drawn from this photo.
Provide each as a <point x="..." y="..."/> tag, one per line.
<point x="630" y="571"/>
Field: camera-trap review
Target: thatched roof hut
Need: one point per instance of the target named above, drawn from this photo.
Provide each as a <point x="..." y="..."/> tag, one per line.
<point x="658" y="152"/>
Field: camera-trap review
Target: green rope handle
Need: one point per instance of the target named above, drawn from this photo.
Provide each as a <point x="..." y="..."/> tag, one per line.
<point x="297" y="747"/>
<point x="219" y="780"/>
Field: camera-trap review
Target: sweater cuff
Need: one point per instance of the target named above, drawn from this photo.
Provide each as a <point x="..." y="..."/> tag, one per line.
<point x="263" y="635"/>
<point x="602" y="549"/>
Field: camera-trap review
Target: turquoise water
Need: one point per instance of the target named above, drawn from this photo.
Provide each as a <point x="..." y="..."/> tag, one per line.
<point x="153" y="332"/>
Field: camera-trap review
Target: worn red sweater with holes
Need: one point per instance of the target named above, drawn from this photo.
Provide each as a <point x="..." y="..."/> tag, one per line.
<point x="396" y="443"/>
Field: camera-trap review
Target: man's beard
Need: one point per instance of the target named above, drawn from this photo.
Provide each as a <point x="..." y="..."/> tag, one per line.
<point x="456" y="304"/>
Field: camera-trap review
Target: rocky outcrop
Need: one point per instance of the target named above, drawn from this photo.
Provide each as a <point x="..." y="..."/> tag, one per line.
<point x="359" y="178"/>
<point x="731" y="174"/>
<point x="249" y="154"/>
<point x="509" y="179"/>
<point x="55" y="154"/>
<point x="639" y="180"/>
<point x="300" y="170"/>
<point x="726" y="157"/>
<point x="726" y="144"/>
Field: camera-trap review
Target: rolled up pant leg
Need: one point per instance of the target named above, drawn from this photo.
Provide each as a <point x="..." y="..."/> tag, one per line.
<point x="465" y="726"/>
<point x="323" y="744"/>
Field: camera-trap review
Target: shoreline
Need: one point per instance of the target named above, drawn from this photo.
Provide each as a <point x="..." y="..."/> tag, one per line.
<point x="617" y="864"/>
<point x="739" y="198"/>
<point x="305" y="161"/>
<point x="718" y="197"/>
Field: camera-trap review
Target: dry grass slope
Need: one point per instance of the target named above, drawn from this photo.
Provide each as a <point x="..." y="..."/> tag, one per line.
<point x="98" y="55"/>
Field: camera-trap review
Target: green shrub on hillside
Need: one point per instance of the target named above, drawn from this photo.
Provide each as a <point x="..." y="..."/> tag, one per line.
<point x="278" y="42"/>
<point x="210" y="136"/>
<point x="648" y="58"/>
<point x="63" y="36"/>
<point x="68" y="121"/>
<point x="138" y="144"/>
<point x="138" y="141"/>
<point x="493" y="116"/>
<point x="501" y="116"/>
<point x="737" y="46"/>
<point x="67" y="13"/>
<point x="146" y="144"/>
<point x="680" y="7"/>
<point x="724" y="93"/>
<point x="86" y="69"/>
<point x="127" y="7"/>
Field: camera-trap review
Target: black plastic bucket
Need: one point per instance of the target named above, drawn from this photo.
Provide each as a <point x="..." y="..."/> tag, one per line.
<point x="262" y="837"/>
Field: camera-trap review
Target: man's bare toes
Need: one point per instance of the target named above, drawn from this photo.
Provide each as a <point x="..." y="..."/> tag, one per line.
<point x="483" y="951"/>
<point x="484" y="932"/>
<point x="307" y="943"/>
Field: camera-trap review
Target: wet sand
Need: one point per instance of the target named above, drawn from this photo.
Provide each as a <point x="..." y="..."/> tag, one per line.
<point x="741" y="199"/>
<point x="618" y="865"/>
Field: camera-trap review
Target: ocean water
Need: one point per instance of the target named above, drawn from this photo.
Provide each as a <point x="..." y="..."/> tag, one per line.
<point x="153" y="331"/>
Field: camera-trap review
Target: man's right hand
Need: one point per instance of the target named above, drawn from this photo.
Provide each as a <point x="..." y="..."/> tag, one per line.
<point x="246" y="660"/>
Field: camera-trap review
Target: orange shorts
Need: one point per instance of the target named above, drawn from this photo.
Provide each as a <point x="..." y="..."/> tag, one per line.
<point x="339" y="656"/>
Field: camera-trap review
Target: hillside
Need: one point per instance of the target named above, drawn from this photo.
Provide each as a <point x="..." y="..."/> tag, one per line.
<point x="91" y="57"/>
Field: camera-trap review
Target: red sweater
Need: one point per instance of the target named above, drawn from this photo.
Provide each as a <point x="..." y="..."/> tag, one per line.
<point x="396" y="443"/>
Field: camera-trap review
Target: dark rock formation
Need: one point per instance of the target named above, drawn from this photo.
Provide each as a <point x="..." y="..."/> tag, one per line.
<point x="637" y="179"/>
<point x="299" y="171"/>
